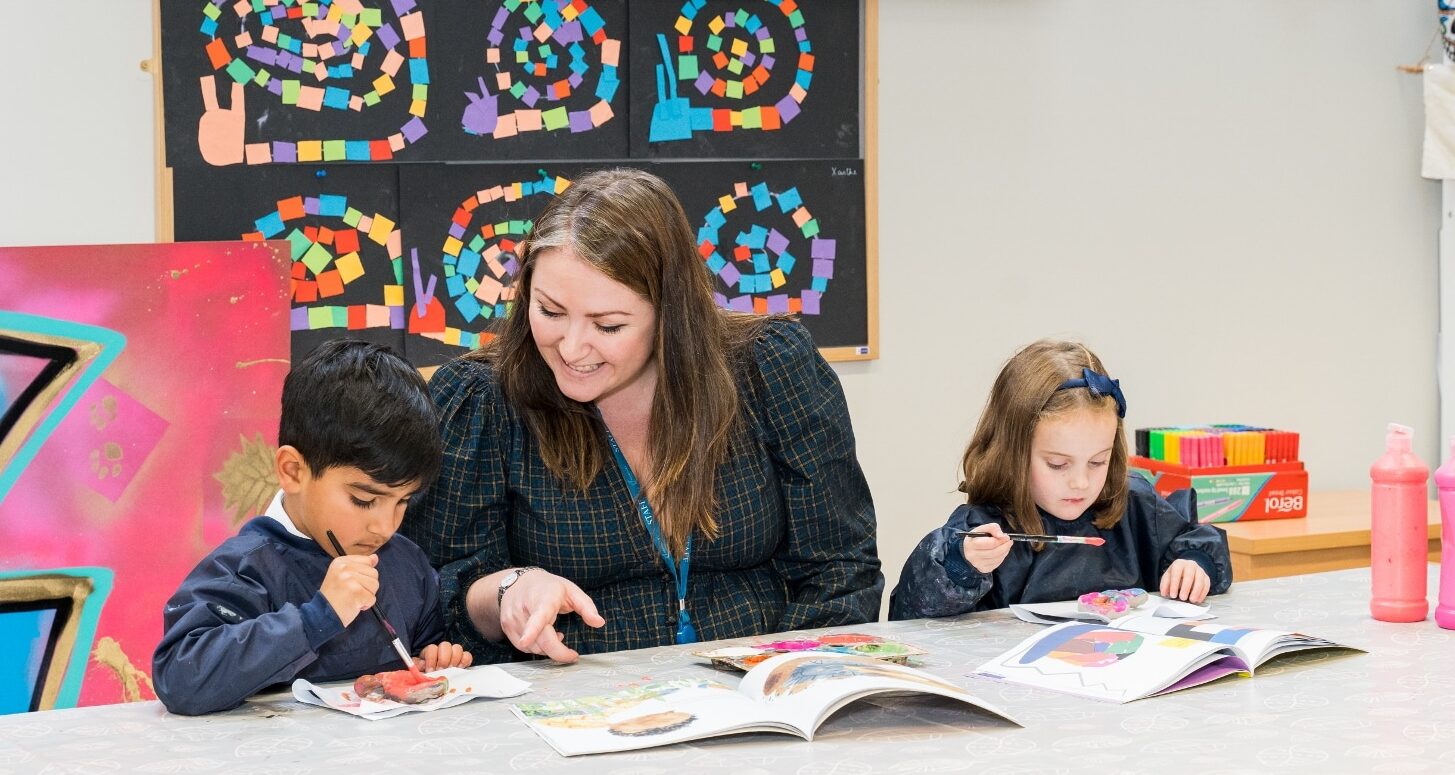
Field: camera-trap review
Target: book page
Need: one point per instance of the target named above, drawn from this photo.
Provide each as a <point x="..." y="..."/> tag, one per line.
<point x="1106" y="663"/>
<point x="1253" y="644"/>
<point x="805" y="688"/>
<point x="643" y="716"/>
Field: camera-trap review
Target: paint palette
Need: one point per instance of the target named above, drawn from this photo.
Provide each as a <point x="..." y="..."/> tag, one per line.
<point x="745" y="657"/>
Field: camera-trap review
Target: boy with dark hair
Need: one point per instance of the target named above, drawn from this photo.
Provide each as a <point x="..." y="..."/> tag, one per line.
<point x="358" y="438"/>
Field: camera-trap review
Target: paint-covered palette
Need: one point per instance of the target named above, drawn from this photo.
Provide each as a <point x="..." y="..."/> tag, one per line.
<point x="745" y="657"/>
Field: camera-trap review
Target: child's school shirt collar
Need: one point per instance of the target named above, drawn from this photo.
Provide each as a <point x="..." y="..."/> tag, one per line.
<point x="280" y="515"/>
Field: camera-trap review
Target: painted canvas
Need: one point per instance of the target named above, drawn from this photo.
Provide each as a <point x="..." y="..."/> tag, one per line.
<point x="139" y="389"/>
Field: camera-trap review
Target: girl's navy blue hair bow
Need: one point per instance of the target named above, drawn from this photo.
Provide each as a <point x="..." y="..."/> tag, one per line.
<point x="1100" y="385"/>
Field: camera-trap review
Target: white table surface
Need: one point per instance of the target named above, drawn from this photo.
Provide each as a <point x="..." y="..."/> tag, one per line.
<point x="1391" y="710"/>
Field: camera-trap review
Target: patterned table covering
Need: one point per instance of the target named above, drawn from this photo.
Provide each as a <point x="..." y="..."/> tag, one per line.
<point x="1391" y="710"/>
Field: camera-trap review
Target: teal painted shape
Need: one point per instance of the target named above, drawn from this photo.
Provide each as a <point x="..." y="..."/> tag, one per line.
<point x="101" y="582"/>
<point x="112" y="343"/>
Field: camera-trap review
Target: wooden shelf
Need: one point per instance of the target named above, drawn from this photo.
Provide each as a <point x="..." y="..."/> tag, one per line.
<point x="1334" y="536"/>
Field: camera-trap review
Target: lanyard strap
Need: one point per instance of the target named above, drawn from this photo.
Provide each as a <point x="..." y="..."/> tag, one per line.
<point x="686" y="633"/>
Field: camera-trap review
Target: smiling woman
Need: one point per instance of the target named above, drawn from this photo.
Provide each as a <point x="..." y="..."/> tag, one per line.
<point x="628" y="465"/>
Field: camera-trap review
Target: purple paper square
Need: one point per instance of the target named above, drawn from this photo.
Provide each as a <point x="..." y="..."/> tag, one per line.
<point x="824" y="248"/>
<point x="823" y="267"/>
<point x="741" y="304"/>
<point x="762" y="33"/>
<point x="720" y="299"/>
<point x="275" y="86"/>
<point x="396" y="317"/>
<point x="777" y="242"/>
<point x="729" y="274"/>
<point x="457" y="231"/>
<point x="749" y="59"/>
<point x="530" y="97"/>
<point x="501" y="17"/>
<point x="570" y="32"/>
<point x="730" y="20"/>
<point x="575" y="80"/>
<point x="580" y="121"/>
<point x="388" y="36"/>
<point x="496" y="36"/>
<point x="778" y="304"/>
<point x="787" y="108"/>
<point x="402" y="7"/>
<point x="284" y="153"/>
<point x="768" y="60"/>
<point x="703" y="82"/>
<point x="413" y="130"/>
<point x="512" y="265"/>
<point x="310" y="205"/>
<point x="810" y="302"/>
<point x="800" y="34"/>
<point x="298" y="319"/>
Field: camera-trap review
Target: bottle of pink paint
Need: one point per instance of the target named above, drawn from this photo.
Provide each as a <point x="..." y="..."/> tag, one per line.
<point x="1397" y="532"/>
<point x="1445" y="480"/>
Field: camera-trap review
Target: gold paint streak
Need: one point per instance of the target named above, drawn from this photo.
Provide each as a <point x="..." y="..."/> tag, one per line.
<point x="109" y="655"/>
<point x="245" y="364"/>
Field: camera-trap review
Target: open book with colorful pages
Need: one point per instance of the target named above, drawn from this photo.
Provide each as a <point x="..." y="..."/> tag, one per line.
<point x="1140" y="656"/>
<point x="745" y="657"/>
<point x="789" y="693"/>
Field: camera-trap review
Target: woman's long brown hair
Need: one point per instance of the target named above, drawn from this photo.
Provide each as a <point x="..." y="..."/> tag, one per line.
<point x="998" y="459"/>
<point x="629" y="226"/>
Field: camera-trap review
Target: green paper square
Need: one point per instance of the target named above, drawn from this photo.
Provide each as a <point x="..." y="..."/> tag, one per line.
<point x="766" y="46"/>
<point x="714" y="43"/>
<point x="477" y="243"/>
<point x="735" y="90"/>
<point x="753" y="118"/>
<point x="472" y="285"/>
<point x="333" y="150"/>
<point x="421" y="91"/>
<point x="239" y="71"/>
<point x="298" y="243"/>
<point x="290" y="92"/>
<point x="517" y="89"/>
<point x="735" y="67"/>
<point x="352" y="217"/>
<point x="319" y="317"/>
<point x="340" y="316"/>
<point x="211" y="11"/>
<point x="317" y="258"/>
<point x="810" y="227"/>
<point x="533" y="13"/>
<point x="372" y="17"/>
<point x="372" y="98"/>
<point x="555" y="118"/>
<point x="687" y="67"/>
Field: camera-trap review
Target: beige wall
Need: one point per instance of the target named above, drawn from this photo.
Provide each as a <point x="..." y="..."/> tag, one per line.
<point x="1222" y="199"/>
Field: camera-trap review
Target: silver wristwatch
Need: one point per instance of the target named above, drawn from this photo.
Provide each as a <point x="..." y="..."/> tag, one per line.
<point x="509" y="580"/>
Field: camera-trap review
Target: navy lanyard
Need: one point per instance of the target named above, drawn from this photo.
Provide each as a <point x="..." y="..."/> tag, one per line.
<point x="686" y="633"/>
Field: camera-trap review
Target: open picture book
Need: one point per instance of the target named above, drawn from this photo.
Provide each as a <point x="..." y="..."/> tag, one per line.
<point x="789" y="693"/>
<point x="1140" y="656"/>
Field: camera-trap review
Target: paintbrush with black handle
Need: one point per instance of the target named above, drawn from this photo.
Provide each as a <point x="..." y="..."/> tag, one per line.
<point x="374" y="609"/>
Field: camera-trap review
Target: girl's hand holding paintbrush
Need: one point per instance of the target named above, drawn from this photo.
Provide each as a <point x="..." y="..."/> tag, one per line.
<point x="985" y="547"/>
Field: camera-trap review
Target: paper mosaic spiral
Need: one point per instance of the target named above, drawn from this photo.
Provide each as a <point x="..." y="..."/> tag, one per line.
<point x="322" y="56"/>
<point x="327" y="259"/>
<point x="730" y="56"/>
<point x="756" y="264"/>
<point x="542" y="53"/>
<point x="480" y="261"/>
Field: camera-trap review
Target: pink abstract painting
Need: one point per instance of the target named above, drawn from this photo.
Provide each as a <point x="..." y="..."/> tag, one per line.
<point x="153" y="445"/>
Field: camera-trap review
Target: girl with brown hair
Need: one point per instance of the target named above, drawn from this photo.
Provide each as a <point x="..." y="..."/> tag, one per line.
<point x="627" y="465"/>
<point x="1049" y="457"/>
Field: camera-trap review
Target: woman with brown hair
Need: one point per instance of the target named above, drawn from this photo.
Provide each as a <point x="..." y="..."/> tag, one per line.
<point x="627" y="465"/>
